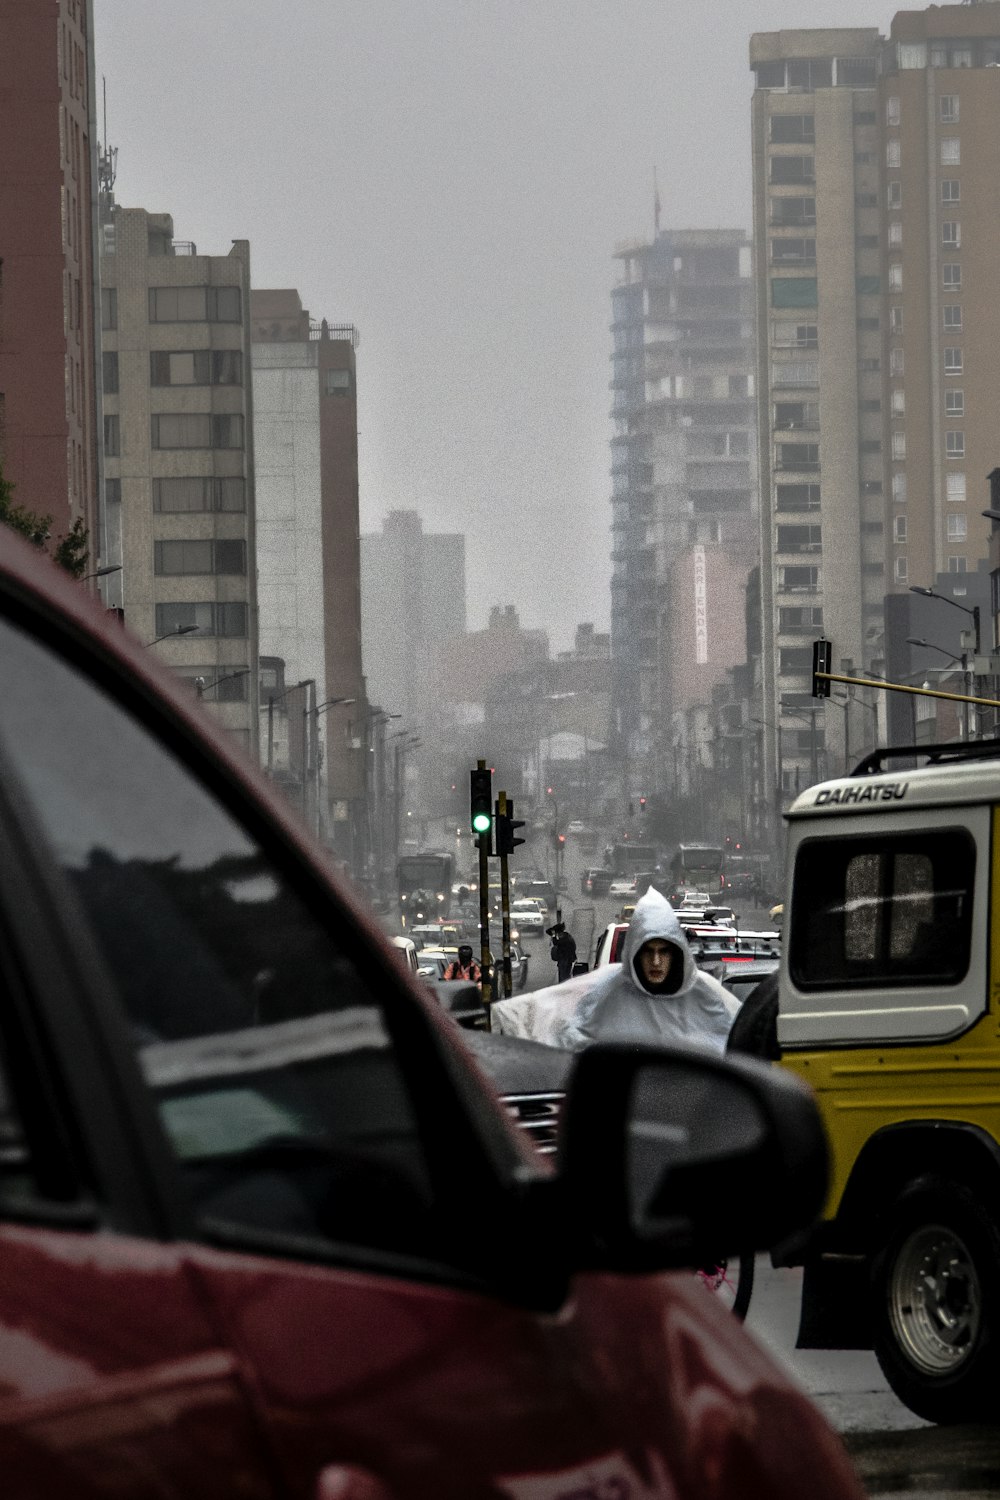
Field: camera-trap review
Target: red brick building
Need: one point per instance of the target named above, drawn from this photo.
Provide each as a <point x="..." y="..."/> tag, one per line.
<point x="49" y="397"/>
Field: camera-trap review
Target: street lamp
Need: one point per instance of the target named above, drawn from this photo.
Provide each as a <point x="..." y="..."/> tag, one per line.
<point x="810" y="719"/>
<point x="272" y="699"/>
<point x="916" y="640"/>
<point x="102" y="572"/>
<point x="172" y="634"/>
<point x="916" y="588"/>
<point x="201" y="687"/>
<point x="330" y="703"/>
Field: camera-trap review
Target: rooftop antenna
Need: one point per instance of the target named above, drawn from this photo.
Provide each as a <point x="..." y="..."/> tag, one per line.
<point x="107" y="157"/>
<point x="656" y="206"/>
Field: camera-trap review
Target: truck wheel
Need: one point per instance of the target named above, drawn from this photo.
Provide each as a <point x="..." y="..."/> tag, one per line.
<point x="936" y="1313"/>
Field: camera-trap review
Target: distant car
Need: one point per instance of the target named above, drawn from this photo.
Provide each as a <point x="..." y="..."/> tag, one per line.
<point x="577" y="826"/>
<point x="407" y="951"/>
<point x="595" y="882"/>
<point x="609" y="945"/>
<point x="530" y="921"/>
<point x="742" y="980"/>
<point x="623" y="885"/>
<point x="545" y="890"/>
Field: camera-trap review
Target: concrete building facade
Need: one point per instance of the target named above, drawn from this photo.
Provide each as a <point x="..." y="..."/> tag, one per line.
<point x="817" y="186"/>
<point x="308" y="558"/>
<point x="683" y="481"/>
<point x="178" y="453"/>
<point x="49" y="341"/>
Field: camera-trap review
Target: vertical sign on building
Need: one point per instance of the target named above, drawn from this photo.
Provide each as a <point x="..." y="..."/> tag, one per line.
<point x="700" y="608"/>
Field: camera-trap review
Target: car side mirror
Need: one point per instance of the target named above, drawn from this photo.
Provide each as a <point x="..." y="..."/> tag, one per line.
<point x="581" y="967"/>
<point x="675" y="1157"/>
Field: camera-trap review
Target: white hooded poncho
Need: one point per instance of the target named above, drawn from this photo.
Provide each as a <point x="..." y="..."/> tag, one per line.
<point x="611" y="1004"/>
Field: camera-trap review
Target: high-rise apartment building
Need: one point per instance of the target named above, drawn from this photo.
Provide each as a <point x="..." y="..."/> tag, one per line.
<point x="939" y="113"/>
<point x="49" y="390"/>
<point x="684" y="525"/>
<point x="178" y="447"/>
<point x="308" y="562"/>
<point x="818" y="189"/>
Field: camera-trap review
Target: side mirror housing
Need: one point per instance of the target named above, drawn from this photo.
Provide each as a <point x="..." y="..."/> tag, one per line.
<point x="675" y="1157"/>
<point x="581" y="967"/>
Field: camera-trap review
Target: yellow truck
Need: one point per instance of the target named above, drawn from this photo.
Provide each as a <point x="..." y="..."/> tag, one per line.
<point x="889" y="1005"/>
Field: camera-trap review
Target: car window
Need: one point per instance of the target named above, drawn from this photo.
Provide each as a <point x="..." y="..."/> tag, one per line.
<point x="270" y="1058"/>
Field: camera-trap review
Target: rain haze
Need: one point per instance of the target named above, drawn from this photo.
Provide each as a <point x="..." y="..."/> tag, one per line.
<point x="453" y="178"/>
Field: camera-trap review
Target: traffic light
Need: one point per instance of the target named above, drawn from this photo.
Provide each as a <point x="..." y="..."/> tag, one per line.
<point x="642" y="804"/>
<point x="506" y="824"/>
<point x="822" y="655"/>
<point x="481" y="800"/>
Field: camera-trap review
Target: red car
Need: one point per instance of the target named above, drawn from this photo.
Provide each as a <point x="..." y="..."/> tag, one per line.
<point x="265" y="1228"/>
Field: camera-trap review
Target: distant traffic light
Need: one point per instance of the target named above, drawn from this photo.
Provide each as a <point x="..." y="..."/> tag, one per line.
<point x="822" y="656"/>
<point x="642" y="804"/>
<point x="549" y="790"/>
<point x="481" y="800"/>
<point x="506" y="825"/>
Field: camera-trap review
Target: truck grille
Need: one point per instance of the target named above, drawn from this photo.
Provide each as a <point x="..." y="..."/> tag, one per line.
<point x="538" y="1114"/>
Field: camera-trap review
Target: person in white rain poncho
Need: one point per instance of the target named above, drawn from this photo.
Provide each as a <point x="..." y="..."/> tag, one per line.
<point x="656" y="993"/>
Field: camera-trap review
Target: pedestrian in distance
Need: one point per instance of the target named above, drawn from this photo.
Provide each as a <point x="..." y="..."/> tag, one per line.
<point x="563" y="950"/>
<point x="464" y="966"/>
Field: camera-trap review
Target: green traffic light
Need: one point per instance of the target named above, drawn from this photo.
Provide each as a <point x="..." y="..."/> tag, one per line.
<point x="481" y="822"/>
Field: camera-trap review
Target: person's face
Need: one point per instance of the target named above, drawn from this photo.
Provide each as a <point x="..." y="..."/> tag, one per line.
<point x="654" y="960"/>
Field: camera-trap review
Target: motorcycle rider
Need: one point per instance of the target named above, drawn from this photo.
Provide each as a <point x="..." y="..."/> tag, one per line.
<point x="464" y="966"/>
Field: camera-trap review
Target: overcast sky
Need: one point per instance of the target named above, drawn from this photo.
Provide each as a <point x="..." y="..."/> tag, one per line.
<point x="452" y="176"/>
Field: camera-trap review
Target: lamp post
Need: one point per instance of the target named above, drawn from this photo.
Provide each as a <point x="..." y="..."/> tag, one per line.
<point x="316" y="751"/>
<point x="272" y="699"/>
<point x="916" y="588"/>
<point x="201" y="687"/>
<point x="102" y="572"/>
<point x="810" y="718"/>
<point x="172" y="634"/>
<point x="916" y="640"/>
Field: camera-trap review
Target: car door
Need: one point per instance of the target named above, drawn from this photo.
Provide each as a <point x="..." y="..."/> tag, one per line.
<point x="345" y="1199"/>
<point x="114" y="1380"/>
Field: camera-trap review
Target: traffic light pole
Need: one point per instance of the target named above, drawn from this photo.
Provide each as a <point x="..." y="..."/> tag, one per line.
<point x="485" y="957"/>
<point x="508" y="981"/>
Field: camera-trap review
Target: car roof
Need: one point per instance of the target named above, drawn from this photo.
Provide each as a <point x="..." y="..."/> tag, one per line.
<point x="943" y="784"/>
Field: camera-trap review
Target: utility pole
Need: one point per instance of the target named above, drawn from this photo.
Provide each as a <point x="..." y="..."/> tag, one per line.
<point x="482" y="825"/>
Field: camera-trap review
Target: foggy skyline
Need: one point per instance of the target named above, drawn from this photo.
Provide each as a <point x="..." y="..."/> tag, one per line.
<point x="453" y="179"/>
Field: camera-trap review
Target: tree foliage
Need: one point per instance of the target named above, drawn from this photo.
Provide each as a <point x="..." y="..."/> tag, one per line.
<point x="71" y="550"/>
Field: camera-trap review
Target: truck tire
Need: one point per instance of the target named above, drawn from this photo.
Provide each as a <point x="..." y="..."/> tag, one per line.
<point x="936" y="1303"/>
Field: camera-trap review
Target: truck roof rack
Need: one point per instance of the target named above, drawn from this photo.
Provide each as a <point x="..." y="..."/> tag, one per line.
<point x="952" y="752"/>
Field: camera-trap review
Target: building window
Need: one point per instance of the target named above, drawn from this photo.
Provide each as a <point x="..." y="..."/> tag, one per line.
<point x="173" y="496"/>
<point x="113" y="491"/>
<point x="954" y="488"/>
<point x="952" y="312"/>
<point x="801" y="620"/>
<point x="951" y="234"/>
<point x="958" y="565"/>
<point x="197" y="430"/>
<point x="951" y="190"/>
<point x="112" y="436"/>
<point x="784" y="251"/>
<point x="109" y="307"/>
<point x="897" y="362"/>
<point x="228" y="620"/>
<point x="957" y="528"/>
<point x="196" y="367"/>
<point x="336" y="382"/>
<point x="911" y="54"/>
<point x="793" y="211"/>
<point x="899" y="489"/>
<point x="797" y="291"/>
<point x="901" y="570"/>
<point x="796" y="497"/>
<point x="896" y="277"/>
<point x="896" y="232"/>
<point x="801" y="456"/>
<point x="798" y="580"/>
<point x="810" y="73"/>
<point x="952" y="274"/>
<point x="954" y="403"/>
<point x="109" y="373"/>
<point x="195" y="304"/>
<point x="899" y="528"/>
<point x="799" y="539"/>
<point x="949" y="109"/>
<point x="866" y="241"/>
<point x="793" y="661"/>
<point x="953" y="361"/>
<point x="792" y="130"/>
<point x="961" y="57"/>
<point x="786" y="171"/>
<point x="899" y="403"/>
<point x="895" y="320"/>
<point x="868" y="286"/>
<point x="892" y="153"/>
<point x="892" y="111"/>
<point x="795" y="335"/>
<point x="899" y="445"/>
<point x="951" y="151"/>
<point x="894" y="195"/>
<point x="171" y="558"/>
<point x="954" y="444"/>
